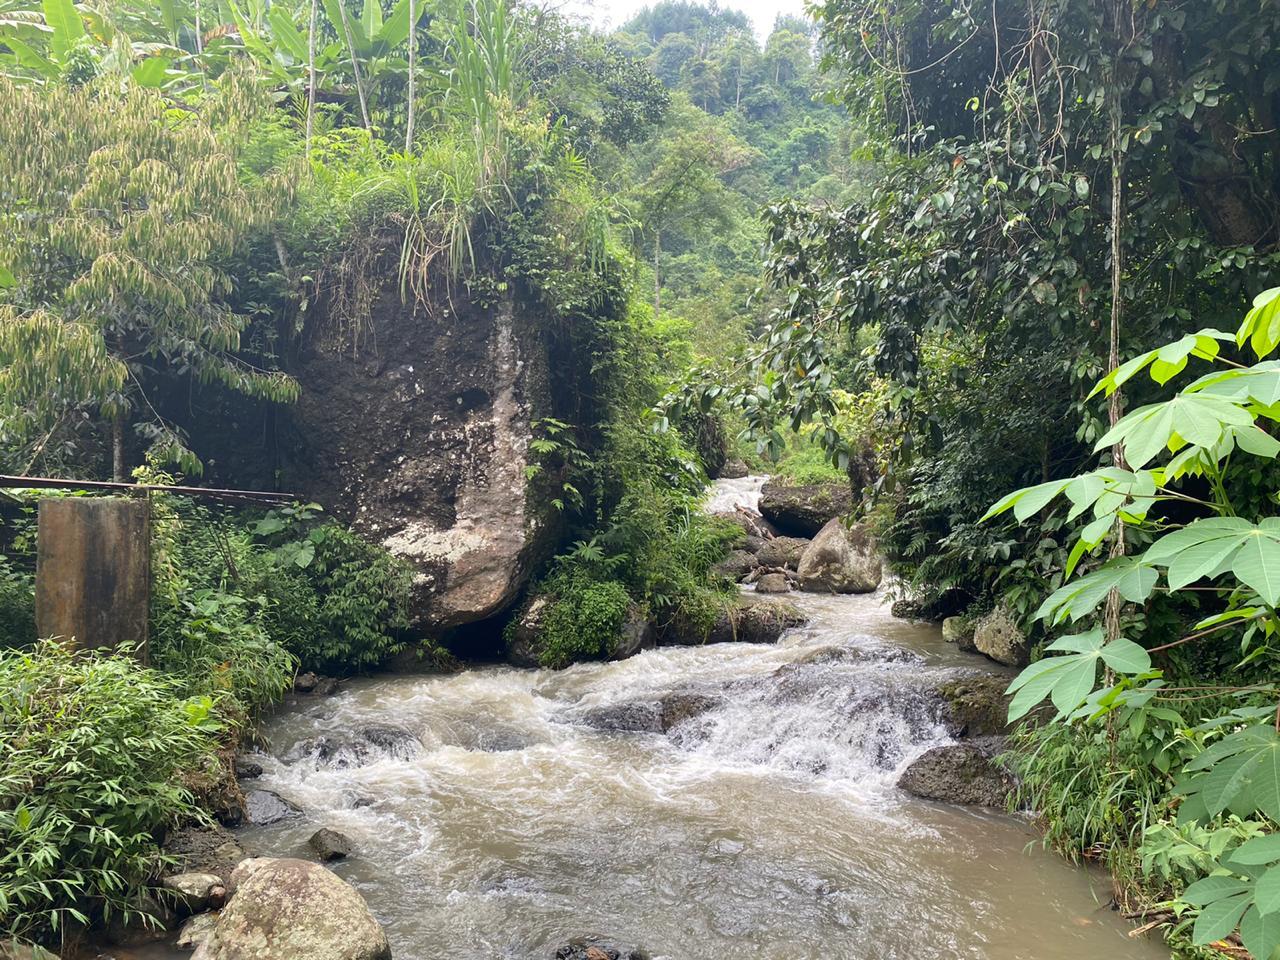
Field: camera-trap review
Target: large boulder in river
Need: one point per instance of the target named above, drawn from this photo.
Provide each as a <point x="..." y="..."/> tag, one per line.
<point x="414" y="424"/>
<point x="975" y="704"/>
<point x="751" y="618"/>
<point x="999" y="637"/>
<point x="293" y="910"/>
<point x="801" y="510"/>
<point x="524" y="636"/>
<point x="841" y="560"/>
<point x="782" y="552"/>
<point x="964" y="773"/>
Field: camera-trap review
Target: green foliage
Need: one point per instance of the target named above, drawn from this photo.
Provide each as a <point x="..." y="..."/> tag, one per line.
<point x="17" y="605"/>
<point x="584" y="621"/>
<point x="94" y="750"/>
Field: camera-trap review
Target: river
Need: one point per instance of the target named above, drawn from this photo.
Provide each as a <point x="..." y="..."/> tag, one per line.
<point x="768" y="827"/>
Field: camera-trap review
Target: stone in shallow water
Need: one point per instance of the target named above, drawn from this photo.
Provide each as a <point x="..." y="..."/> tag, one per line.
<point x="196" y="931"/>
<point x="773" y="583"/>
<point x="192" y="890"/>
<point x="263" y="807"/>
<point x="964" y="773"/>
<point x="330" y="844"/>
<point x="598" y="948"/>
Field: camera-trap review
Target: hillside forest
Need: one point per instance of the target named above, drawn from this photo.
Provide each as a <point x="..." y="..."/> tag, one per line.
<point x="1003" y="276"/>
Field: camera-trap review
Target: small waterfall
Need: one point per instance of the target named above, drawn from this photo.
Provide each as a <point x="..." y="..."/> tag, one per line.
<point x="727" y="496"/>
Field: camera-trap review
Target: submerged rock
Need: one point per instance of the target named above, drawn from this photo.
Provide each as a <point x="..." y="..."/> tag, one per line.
<point x="286" y="909"/>
<point x="263" y="807"/>
<point x="997" y="636"/>
<point x="841" y="560"/>
<point x="782" y="552"/>
<point x="963" y="773"/>
<point x="773" y="583"/>
<point x="802" y="510"/>
<point x="247" y="768"/>
<point x="660" y="715"/>
<point x="598" y="948"/>
<point x="196" y="931"/>
<point x="364" y="745"/>
<point x="330" y="844"/>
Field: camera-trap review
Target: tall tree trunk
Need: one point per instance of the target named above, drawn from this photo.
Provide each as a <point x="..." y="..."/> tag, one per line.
<point x="311" y="74"/>
<point x="1115" y="407"/>
<point x="657" y="276"/>
<point x="413" y="45"/>
<point x="119" y="469"/>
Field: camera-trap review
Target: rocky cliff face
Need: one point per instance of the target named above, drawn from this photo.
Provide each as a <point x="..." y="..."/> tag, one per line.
<point x="416" y="430"/>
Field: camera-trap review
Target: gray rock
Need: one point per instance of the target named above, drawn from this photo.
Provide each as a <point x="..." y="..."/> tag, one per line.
<point x="305" y="682"/>
<point x="290" y="910"/>
<point x="637" y="634"/>
<point x="193" y="891"/>
<point x="263" y="807"/>
<point x="595" y="947"/>
<point x="247" y="768"/>
<point x="736" y="565"/>
<point x="976" y="704"/>
<point x="997" y="636"/>
<point x="525" y="633"/>
<point x="659" y="715"/>
<point x="802" y="510"/>
<point x="841" y="560"/>
<point x="958" y="630"/>
<point x="752" y="618"/>
<point x="196" y="931"/>
<point x="204" y="848"/>
<point x="782" y="552"/>
<point x="963" y="773"/>
<point x="753" y="544"/>
<point x="734" y="469"/>
<point x="326" y="687"/>
<point x="330" y="844"/>
<point x="773" y="583"/>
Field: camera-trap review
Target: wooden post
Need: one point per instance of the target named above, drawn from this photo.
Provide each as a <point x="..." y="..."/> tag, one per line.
<point x="93" y="571"/>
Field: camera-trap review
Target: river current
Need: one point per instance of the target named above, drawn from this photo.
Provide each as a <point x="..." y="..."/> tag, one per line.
<point x="768" y="827"/>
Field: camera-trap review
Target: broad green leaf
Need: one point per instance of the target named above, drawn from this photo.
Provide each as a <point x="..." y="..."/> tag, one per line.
<point x="395" y="30"/>
<point x="1029" y="500"/>
<point x="1219" y="919"/>
<point x="1166" y="361"/>
<point x="67" y="24"/>
<point x="1090" y="642"/>
<point x="151" y="72"/>
<point x="1132" y="576"/>
<point x="1192" y="418"/>
<point x="287" y="34"/>
<point x="1261" y="935"/>
<point x="1211" y="889"/>
<point x="1258" y="564"/>
<point x="1125" y="656"/>
<point x="1074" y="683"/>
<point x="1261" y="326"/>
<point x="1266" y="893"/>
<point x="371" y="19"/>
<point x="1259" y="850"/>
<point x="28" y="57"/>
<point x="1036" y="687"/>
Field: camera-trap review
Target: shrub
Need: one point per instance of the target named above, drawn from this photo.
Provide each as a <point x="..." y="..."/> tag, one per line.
<point x="94" y="744"/>
<point x="17" y="605"/>
<point x="584" y="622"/>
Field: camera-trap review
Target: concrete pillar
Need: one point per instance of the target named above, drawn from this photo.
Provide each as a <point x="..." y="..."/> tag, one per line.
<point x="93" y="571"/>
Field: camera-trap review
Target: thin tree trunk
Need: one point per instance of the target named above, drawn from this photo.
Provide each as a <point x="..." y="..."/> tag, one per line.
<point x="119" y="470"/>
<point x="311" y="74"/>
<point x="413" y="44"/>
<point x="355" y="69"/>
<point x="1115" y="408"/>
<point x="657" y="277"/>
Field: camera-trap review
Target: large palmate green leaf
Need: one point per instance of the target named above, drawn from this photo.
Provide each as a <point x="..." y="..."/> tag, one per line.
<point x="1166" y="362"/>
<point x="1261" y="326"/>
<point x="1214" y="546"/>
<point x="1068" y="680"/>
<point x="1240" y="773"/>
<point x="1134" y="577"/>
<point x="1197" y="418"/>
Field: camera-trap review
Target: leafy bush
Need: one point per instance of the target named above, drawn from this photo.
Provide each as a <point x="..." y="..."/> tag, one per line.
<point x="94" y="745"/>
<point x="585" y="620"/>
<point x="17" y="605"/>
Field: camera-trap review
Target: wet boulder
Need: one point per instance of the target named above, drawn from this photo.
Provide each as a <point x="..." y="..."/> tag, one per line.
<point x="734" y="469"/>
<point x="736" y="565"/>
<point x="752" y="524"/>
<point x="998" y="636"/>
<point x="751" y="618"/>
<point x="247" y="768"/>
<point x="598" y="948"/>
<point x="286" y="909"/>
<point x="636" y="634"/>
<point x="264" y="807"/>
<point x="524" y="637"/>
<point x="975" y="704"/>
<point x="773" y="583"/>
<point x="330" y="844"/>
<point x="801" y="510"/>
<point x="841" y="560"/>
<point x="660" y="715"/>
<point x="194" y="892"/>
<point x="964" y="773"/>
<point x="958" y="630"/>
<point x="364" y="745"/>
<point x="782" y="552"/>
<point x="196" y="931"/>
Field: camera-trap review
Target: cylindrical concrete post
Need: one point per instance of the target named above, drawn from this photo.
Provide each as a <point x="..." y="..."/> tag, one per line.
<point x="93" y="571"/>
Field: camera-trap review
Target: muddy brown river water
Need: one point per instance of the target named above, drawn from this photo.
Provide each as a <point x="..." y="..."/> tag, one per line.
<point x="768" y="828"/>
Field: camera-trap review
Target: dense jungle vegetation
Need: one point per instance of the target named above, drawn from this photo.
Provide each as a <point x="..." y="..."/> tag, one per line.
<point x="1022" y="248"/>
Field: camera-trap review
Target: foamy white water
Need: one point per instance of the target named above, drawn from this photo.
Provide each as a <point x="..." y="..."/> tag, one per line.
<point x="727" y="496"/>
